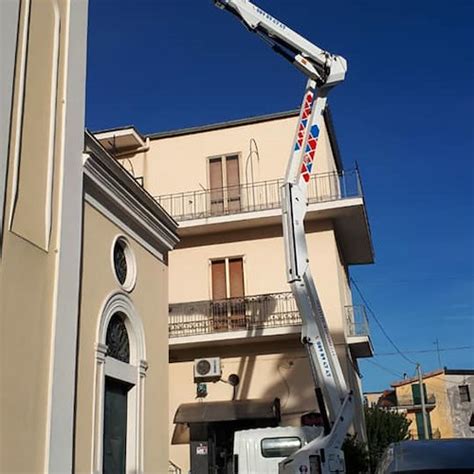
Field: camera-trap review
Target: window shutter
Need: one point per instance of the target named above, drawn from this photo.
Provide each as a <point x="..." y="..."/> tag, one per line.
<point x="218" y="280"/>
<point x="236" y="271"/>
<point x="233" y="182"/>
<point x="216" y="184"/>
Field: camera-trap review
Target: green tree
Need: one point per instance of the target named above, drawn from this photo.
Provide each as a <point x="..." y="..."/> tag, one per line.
<point x="355" y="455"/>
<point x="384" y="427"/>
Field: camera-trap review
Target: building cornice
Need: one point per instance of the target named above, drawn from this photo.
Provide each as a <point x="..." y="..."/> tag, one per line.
<point x="114" y="192"/>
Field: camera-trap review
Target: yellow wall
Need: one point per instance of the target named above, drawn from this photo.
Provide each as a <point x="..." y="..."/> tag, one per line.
<point x="440" y="415"/>
<point x="40" y="158"/>
<point x="150" y="299"/>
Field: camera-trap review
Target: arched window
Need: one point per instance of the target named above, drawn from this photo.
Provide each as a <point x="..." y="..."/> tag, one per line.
<point x="120" y="379"/>
<point x="116" y="340"/>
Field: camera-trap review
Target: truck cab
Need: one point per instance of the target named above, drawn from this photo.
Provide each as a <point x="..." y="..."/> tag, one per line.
<point x="258" y="451"/>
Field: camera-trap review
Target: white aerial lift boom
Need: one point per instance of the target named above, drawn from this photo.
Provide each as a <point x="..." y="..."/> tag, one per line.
<point x="324" y="70"/>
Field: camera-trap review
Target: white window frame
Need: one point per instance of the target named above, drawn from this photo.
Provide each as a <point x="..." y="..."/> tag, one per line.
<point x="133" y="373"/>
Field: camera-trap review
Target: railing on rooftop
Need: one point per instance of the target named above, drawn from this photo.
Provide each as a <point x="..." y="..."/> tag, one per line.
<point x="259" y="196"/>
<point x="357" y="323"/>
<point x="248" y="313"/>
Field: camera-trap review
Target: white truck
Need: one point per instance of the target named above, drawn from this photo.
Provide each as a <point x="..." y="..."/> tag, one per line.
<point x="285" y="449"/>
<point x="260" y="450"/>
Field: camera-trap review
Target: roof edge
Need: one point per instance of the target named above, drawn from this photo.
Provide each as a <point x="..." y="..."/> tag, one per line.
<point x="223" y="125"/>
<point x="328" y="120"/>
<point x="433" y="373"/>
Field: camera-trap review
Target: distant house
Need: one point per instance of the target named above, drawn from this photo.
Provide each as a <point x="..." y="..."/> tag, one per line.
<point x="448" y="400"/>
<point x="384" y="399"/>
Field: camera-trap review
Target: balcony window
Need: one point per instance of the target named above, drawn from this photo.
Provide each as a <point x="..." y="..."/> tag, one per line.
<point x="228" y="306"/>
<point x="464" y="393"/>
<point x="224" y="181"/>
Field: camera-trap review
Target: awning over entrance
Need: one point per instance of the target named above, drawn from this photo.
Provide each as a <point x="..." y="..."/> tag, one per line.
<point x="212" y="412"/>
<point x="207" y="412"/>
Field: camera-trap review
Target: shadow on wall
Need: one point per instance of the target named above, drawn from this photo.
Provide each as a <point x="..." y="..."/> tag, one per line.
<point x="287" y="377"/>
<point x="290" y="379"/>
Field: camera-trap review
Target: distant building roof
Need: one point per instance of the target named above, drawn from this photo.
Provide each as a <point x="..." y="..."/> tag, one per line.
<point x="433" y="373"/>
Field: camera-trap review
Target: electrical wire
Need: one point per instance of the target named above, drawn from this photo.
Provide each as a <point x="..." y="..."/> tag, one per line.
<point x="374" y="316"/>
<point x="425" y="351"/>
<point x="386" y="369"/>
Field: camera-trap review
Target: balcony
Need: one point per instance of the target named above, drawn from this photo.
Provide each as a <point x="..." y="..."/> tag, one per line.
<point x="250" y="319"/>
<point x="357" y="332"/>
<point x="409" y="402"/>
<point x="237" y="319"/>
<point x="335" y="196"/>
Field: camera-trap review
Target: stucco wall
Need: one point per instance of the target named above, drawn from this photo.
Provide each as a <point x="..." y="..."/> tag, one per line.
<point x="264" y="268"/>
<point x="150" y="299"/>
<point x="460" y="412"/>
<point x="286" y="375"/>
<point x="178" y="164"/>
<point x="39" y="265"/>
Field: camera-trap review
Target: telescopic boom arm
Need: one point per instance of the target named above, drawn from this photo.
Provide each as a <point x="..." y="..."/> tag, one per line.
<point x="321" y="66"/>
<point x="324" y="70"/>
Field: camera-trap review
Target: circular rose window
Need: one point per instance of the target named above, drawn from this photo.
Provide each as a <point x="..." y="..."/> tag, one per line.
<point x="124" y="264"/>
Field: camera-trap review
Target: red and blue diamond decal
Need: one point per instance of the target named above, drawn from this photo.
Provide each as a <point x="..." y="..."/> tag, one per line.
<point x="309" y="152"/>
<point x="307" y="107"/>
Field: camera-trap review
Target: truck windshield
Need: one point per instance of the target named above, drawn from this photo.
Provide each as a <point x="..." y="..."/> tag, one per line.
<point x="280" y="447"/>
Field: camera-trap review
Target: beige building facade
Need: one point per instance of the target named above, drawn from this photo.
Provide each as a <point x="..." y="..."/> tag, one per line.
<point x="228" y="291"/>
<point x="83" y="268"/>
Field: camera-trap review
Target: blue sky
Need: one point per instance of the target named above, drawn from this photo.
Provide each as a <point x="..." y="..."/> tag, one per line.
<point x="405" y="114"/>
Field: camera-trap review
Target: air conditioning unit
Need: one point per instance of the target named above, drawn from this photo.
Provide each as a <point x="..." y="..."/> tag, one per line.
<point x="207" y="370"/>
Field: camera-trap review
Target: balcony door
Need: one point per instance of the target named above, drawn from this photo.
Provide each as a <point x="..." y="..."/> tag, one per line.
<point x="224" y="180"/>
<point x="228" y="304"/>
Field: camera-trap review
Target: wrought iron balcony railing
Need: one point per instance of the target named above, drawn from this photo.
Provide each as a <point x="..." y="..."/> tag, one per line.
<point x="233" y="314"/>
<point x="263" y="195"/>
<point x="406" y="401"/>
<point x="248" y="313"/>
<point x="357" y="323"/>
